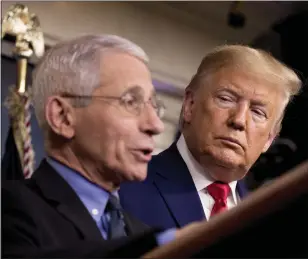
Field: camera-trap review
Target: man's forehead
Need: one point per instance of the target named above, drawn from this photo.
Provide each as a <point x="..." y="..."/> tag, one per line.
<point x="121" y="72"/>
<point x="119" y="89"/>
<point x="114" y="60"/>
<point x="242" y="82"/>
<point x="140" y="90"/>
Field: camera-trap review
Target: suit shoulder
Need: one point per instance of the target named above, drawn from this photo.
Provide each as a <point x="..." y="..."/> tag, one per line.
<point x="18" y="194"/>
<point x="13" y="187"/>
<point x="17" y="186"/>
<point x="159" y="158"/>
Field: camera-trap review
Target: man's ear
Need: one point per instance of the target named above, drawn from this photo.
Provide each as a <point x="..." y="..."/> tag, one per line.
<point x="60" y="116"/>
<point x="272" y="136"/>
<point x="188" y="105"/>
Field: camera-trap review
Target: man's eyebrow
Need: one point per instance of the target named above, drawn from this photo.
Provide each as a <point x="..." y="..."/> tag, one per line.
<point x="229" y="90"/>
<point x="259" y="103"/>
<point x="139" y="89"/>
<point x="134" y="89"/>
<point x="256" y="102"/>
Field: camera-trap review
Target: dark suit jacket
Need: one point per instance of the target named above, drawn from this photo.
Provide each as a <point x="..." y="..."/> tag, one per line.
<point x="44" y="217"/>
<point x="168" y="197"/>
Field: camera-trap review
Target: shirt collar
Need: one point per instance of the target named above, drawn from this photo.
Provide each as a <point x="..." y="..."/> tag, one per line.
<point x="94" y="197"/>
<point x="200" y="177"/>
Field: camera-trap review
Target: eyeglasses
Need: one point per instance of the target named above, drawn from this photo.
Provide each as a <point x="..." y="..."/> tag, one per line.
<point x="133" y="103"/>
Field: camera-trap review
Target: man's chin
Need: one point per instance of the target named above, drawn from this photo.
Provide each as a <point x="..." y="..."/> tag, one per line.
<point x="141" y="176"/>
<point x="229" y="159"/>
<point x="223" y="164"/>
<point x="136" y="176"/>
<point x="228" y="170"/>
<point x="228" y="163"/>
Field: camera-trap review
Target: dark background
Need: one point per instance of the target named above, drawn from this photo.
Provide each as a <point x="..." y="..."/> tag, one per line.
<point x="290" y="45"/>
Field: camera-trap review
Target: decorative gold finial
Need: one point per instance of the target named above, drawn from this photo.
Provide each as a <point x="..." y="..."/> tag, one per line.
<point x="18" y="22"/>
<point x="24" y="27"/>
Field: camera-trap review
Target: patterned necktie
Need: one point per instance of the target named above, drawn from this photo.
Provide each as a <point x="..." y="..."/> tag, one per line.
<point x="116" y="226"/>
<point x="219" y="191"/>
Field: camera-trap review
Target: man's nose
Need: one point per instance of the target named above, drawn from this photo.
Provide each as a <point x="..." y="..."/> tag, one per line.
<point x="238" y="117"/>
<point x="151" y="123"/>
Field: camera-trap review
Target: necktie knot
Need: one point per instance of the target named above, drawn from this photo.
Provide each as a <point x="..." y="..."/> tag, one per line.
<point x="219" y="191"/>
<point x="113" y="204"/>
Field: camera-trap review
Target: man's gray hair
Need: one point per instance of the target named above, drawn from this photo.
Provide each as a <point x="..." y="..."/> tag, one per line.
<point x="74" y="67"/>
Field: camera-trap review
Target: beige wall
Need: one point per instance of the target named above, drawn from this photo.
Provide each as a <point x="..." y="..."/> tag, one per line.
<point x="175" y="48"/>
<point x="174" y="43"/>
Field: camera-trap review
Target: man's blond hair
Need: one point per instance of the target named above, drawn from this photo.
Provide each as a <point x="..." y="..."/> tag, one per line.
<point x="255" y="62"/>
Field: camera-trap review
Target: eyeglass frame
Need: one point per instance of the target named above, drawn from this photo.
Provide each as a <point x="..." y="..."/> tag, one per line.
<point x="160" y="107"/>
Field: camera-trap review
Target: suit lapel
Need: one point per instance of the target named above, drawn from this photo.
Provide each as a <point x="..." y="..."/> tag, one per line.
<point x="241" y="189"/>
<point x="176" y="186"/>
<point x="133" y="226"/>
<point x="60" y="195"/>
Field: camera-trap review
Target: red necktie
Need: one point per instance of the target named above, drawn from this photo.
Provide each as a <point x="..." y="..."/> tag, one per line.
<point x="219" y="191"/>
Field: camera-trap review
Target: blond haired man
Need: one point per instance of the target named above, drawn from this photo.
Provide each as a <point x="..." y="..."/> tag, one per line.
<point x="232" y="112"/>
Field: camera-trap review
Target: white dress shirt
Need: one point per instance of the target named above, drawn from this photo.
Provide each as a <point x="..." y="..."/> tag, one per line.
<point x="202" y="179"/>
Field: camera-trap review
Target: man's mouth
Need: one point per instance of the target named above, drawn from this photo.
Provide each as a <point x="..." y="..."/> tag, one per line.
<point x="231" y="141"/>
<point x="143" y="154"/>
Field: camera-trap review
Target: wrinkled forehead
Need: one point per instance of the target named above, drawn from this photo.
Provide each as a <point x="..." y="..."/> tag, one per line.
<point x="252" y="87"/>
<point x="246" y="83"/>
<point x="121" y="72"/>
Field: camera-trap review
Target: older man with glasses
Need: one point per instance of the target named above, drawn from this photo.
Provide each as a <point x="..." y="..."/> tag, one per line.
<point x="95" y="102"/>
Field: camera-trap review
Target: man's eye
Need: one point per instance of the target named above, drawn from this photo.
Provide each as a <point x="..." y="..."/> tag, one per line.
<point x="259" y="113"/>
<point x="130" y="100"/>
<point x="225" y="98"/>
